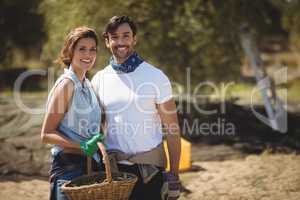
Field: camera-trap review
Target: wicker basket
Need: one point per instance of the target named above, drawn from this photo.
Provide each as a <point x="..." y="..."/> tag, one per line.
<point x="103" y="186"/>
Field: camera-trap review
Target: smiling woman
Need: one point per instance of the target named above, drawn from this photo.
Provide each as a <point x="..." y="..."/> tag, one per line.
<point x="79" y="49"/>
<point x="72" y="118"/>
<point x="84" y="55"/>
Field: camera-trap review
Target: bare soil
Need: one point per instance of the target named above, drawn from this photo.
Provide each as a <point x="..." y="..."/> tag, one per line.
<point x="255" y="163"/>
<point x="264" y="177"/>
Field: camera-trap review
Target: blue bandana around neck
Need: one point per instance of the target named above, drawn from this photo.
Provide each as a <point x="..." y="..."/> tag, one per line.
<point x="129" y="65"/>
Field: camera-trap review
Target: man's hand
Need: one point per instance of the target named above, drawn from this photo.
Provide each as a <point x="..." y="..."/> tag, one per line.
<point x="171" y="187"/>
<point x="90" y="146"/>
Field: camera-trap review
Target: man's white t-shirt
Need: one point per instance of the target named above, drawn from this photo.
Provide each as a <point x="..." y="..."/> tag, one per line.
<point x="129" y="101"/>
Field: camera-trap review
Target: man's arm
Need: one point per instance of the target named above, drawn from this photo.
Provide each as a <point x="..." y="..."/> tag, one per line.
<point x="168" y="115"/>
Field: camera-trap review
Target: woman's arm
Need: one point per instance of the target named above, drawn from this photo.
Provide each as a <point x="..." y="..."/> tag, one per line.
<point x="168" y="115"/>
<point x="57" y="107"/>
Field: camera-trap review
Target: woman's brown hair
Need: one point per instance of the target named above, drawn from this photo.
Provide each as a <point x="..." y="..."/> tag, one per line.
<point x="66" y="53"/>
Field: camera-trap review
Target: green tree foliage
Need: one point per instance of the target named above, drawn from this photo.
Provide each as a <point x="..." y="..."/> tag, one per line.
<point x="201" y="34"/>
<point x="21" y="27"/>
<point x="173" y="34"/>
<point x="290" y="19"/>
<point x="63" y="15"/>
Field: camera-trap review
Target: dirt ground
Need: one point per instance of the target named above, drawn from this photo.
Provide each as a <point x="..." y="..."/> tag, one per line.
<point x="238" y="168"/>
<point x="262" y="177"/>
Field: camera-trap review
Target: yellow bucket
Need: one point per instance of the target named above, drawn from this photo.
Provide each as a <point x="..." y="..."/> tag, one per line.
<point x="185" y="157"/>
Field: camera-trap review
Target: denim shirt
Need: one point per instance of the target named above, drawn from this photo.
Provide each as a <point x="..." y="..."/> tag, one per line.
<point x="82" y="120"/>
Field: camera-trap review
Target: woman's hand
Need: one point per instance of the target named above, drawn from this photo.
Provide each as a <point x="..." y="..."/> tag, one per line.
<point x="90" y="146"/>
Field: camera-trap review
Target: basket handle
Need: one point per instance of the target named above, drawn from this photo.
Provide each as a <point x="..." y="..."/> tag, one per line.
<point x="89" y="165"/>
<point x="106" y="162"/>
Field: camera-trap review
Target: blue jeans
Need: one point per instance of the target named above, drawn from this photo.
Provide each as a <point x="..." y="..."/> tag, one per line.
<point x="60" y="195"/>
<point x="66" y="167"/>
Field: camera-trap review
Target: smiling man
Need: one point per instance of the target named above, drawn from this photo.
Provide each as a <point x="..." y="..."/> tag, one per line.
<point x="137" y="99"/>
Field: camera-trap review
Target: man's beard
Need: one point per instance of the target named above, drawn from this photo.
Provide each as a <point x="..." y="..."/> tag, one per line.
<point x="120" y="56"/>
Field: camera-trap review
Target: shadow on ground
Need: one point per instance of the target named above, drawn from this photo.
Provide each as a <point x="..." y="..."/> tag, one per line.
<point x="237" y="127"/>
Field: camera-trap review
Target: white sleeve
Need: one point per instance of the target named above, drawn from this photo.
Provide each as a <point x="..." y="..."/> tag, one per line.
<point x="96" y="83"/>
<point x="164" y="91"/>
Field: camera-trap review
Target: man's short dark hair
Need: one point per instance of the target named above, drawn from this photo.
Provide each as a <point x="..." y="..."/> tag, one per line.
<point x="115" y="22"/>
